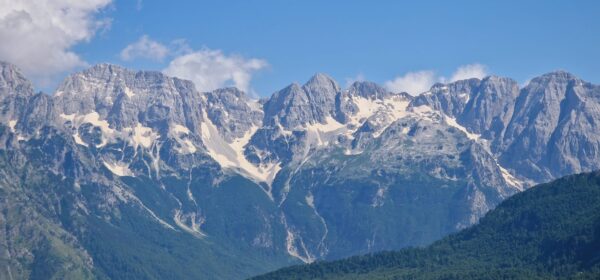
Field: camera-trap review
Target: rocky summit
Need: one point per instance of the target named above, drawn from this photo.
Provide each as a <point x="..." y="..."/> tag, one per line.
<point x="127" y="174"/>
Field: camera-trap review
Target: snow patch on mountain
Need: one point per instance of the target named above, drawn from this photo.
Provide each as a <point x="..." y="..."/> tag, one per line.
<point x="141" y="135"/>
<point x="452" y="122"/>
<point x="231" y="155"/>
<point x="322" y="134"/>
<point x="93" y="118"/>
<point x="510" y="179"/>
<point x="310" y="201"/>
<point x="195" y="223"/>
<point x="11" y="125"/>
<point x="330" y="125"/>
<point x="181" y="135"/>
<point x="294" y="242"/>
<point x="136" y="136"/>
<point x="366" y="108"/>
<point x="128" y="92"/>
<point x="180" y="129"/>
<point x="421" y="110"/>
<point x="118" y="168"/>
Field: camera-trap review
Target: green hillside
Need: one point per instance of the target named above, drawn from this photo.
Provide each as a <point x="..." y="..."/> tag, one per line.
<point x="551" y="231"/>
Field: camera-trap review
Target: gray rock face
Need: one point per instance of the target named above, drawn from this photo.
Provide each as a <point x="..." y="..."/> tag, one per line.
<point x="313" y="172"/>
<point x="451" y="98"/>
<point x="490" y="107"/>
<point x="36" y="114"/>
<point x="12" y="81"/>
<point x="287" y="113"/>
<point x="367" y="89"/>
<point x="554" y="128"/>
<point x="15" y="90"/>
<point x="125" y="98"/>
<point x="296" y="105"/>
<point x="574" y="145"/>
<point x="483" y="106"/>
<point x="541" y="132"/>
<point x="233" y="112"/>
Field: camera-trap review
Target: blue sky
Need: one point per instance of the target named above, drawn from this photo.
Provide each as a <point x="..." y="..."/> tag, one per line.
<point x="373" y="40"/>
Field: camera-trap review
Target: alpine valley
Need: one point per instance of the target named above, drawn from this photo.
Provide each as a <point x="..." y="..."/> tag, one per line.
<point x="123" y="174"/>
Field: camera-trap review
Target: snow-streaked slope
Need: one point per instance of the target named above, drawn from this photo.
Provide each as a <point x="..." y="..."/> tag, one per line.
<point x="321" y="134"/>
<point x="231" y="154"/>
<point x="93" y="118"/>
<point x="137" y="136"/>
<point x="118" y="168"/>
<point x="452" y="122"/>
<point x="181" y="135"/>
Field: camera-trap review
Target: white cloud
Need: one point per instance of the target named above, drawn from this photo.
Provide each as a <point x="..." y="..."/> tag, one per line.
<point x="421" y="81"/>
<point x="38" y="36"/>
<point x="212" y="69"/>
<point x="469" y="71"/>
<point x="412" y="82"/>
<point x="145" y="48"/>
<point x="179" y="47"/>
<point x="208" y="69"/>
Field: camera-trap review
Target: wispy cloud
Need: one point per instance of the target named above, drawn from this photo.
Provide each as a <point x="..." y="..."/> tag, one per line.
<point x="412" y="82"/>
<point x="145" y="48"/>
<point x="420" y="81"/>
<point x="38" y="36"/>
<point x="211" y="69"/>
<point x="469" y="71"/>
<point x="358" y="78"/>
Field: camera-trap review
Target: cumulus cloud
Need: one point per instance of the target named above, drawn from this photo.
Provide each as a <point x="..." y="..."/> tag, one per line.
<point x="145" y="48"/>
<point x="420" y="81"/>
<point x="469" y="71"/>
<point x="412" y="82"/>
<point x="211" y="69"/>
<point x="38" y="36"/>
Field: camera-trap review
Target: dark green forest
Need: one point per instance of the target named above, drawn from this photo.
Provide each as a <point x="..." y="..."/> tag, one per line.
<point x="550" y="231"/>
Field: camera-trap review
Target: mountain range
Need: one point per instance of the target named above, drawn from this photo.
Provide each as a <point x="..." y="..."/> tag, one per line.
<point x="127" y="174"/>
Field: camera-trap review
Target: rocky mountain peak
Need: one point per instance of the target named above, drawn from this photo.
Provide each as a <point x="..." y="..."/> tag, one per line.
<point x="548" y="118"/>
<point x="111" y="77"/>
<point x="558" y="75"/>
<point x="321" y="84"/>
<point x="232" y="111"/>
<point x="450" y="99"/>
<point x="490" y="106"/>
<point x="102" y="67"/>
<point x="548" y="88"/>
<point x="368" y="90"/>
<point x="12" y="80"/>
<point x="551" y="83"/>
<point x="230" y="91"/>
<point x="297" y="105"/>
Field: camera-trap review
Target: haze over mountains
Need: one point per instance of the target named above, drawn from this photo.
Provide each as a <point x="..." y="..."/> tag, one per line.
<point x="133" y="174"/>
